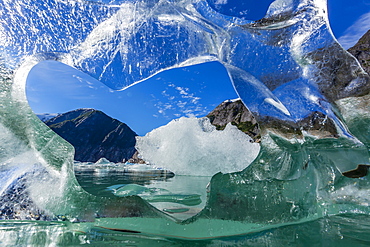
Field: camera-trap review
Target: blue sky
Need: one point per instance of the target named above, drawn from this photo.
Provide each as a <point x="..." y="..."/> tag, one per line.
<point x="349" y="20"/>
<point x="189" y="91"/>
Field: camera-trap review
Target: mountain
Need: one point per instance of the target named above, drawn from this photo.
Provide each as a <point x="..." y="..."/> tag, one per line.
<point x="361" y="50"/>
<point x="95" y="135"/>
<point x="234" y="112"/>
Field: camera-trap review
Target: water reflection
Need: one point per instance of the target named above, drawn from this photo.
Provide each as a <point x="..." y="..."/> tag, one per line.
<point x="181" y="197"/>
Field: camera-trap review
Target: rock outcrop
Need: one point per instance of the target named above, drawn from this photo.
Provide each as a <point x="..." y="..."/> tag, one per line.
<point x="95" y="135"/>
<point x="235" y="112"/>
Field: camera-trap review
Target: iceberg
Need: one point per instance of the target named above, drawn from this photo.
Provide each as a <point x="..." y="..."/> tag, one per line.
<point x="309" y="96"/>
<point x="193" y="147"/>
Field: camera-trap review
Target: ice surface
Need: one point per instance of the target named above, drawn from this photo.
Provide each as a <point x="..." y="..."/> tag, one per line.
<point x="309" y="96"/>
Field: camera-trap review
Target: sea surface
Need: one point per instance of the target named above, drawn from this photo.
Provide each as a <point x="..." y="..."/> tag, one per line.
<point x="188" y="196"/>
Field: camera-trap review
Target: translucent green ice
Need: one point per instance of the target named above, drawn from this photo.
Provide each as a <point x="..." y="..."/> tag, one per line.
<point x="309" y="96"/>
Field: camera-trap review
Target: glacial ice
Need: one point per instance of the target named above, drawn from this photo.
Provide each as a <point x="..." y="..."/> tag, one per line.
<point x="309" y="96"/>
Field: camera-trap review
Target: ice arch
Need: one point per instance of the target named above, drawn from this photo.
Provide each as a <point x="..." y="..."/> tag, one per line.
<point x="287" y="68"/>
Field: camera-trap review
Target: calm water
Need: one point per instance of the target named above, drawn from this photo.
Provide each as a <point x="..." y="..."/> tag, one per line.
<point x="340" y="230"/>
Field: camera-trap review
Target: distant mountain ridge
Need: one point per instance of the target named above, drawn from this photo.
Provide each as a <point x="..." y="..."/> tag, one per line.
<point x="95" y="135"/>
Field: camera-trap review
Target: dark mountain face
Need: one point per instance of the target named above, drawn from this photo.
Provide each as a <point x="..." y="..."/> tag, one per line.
<point x="95" y="135"/>
<point x="362" y="51"/>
